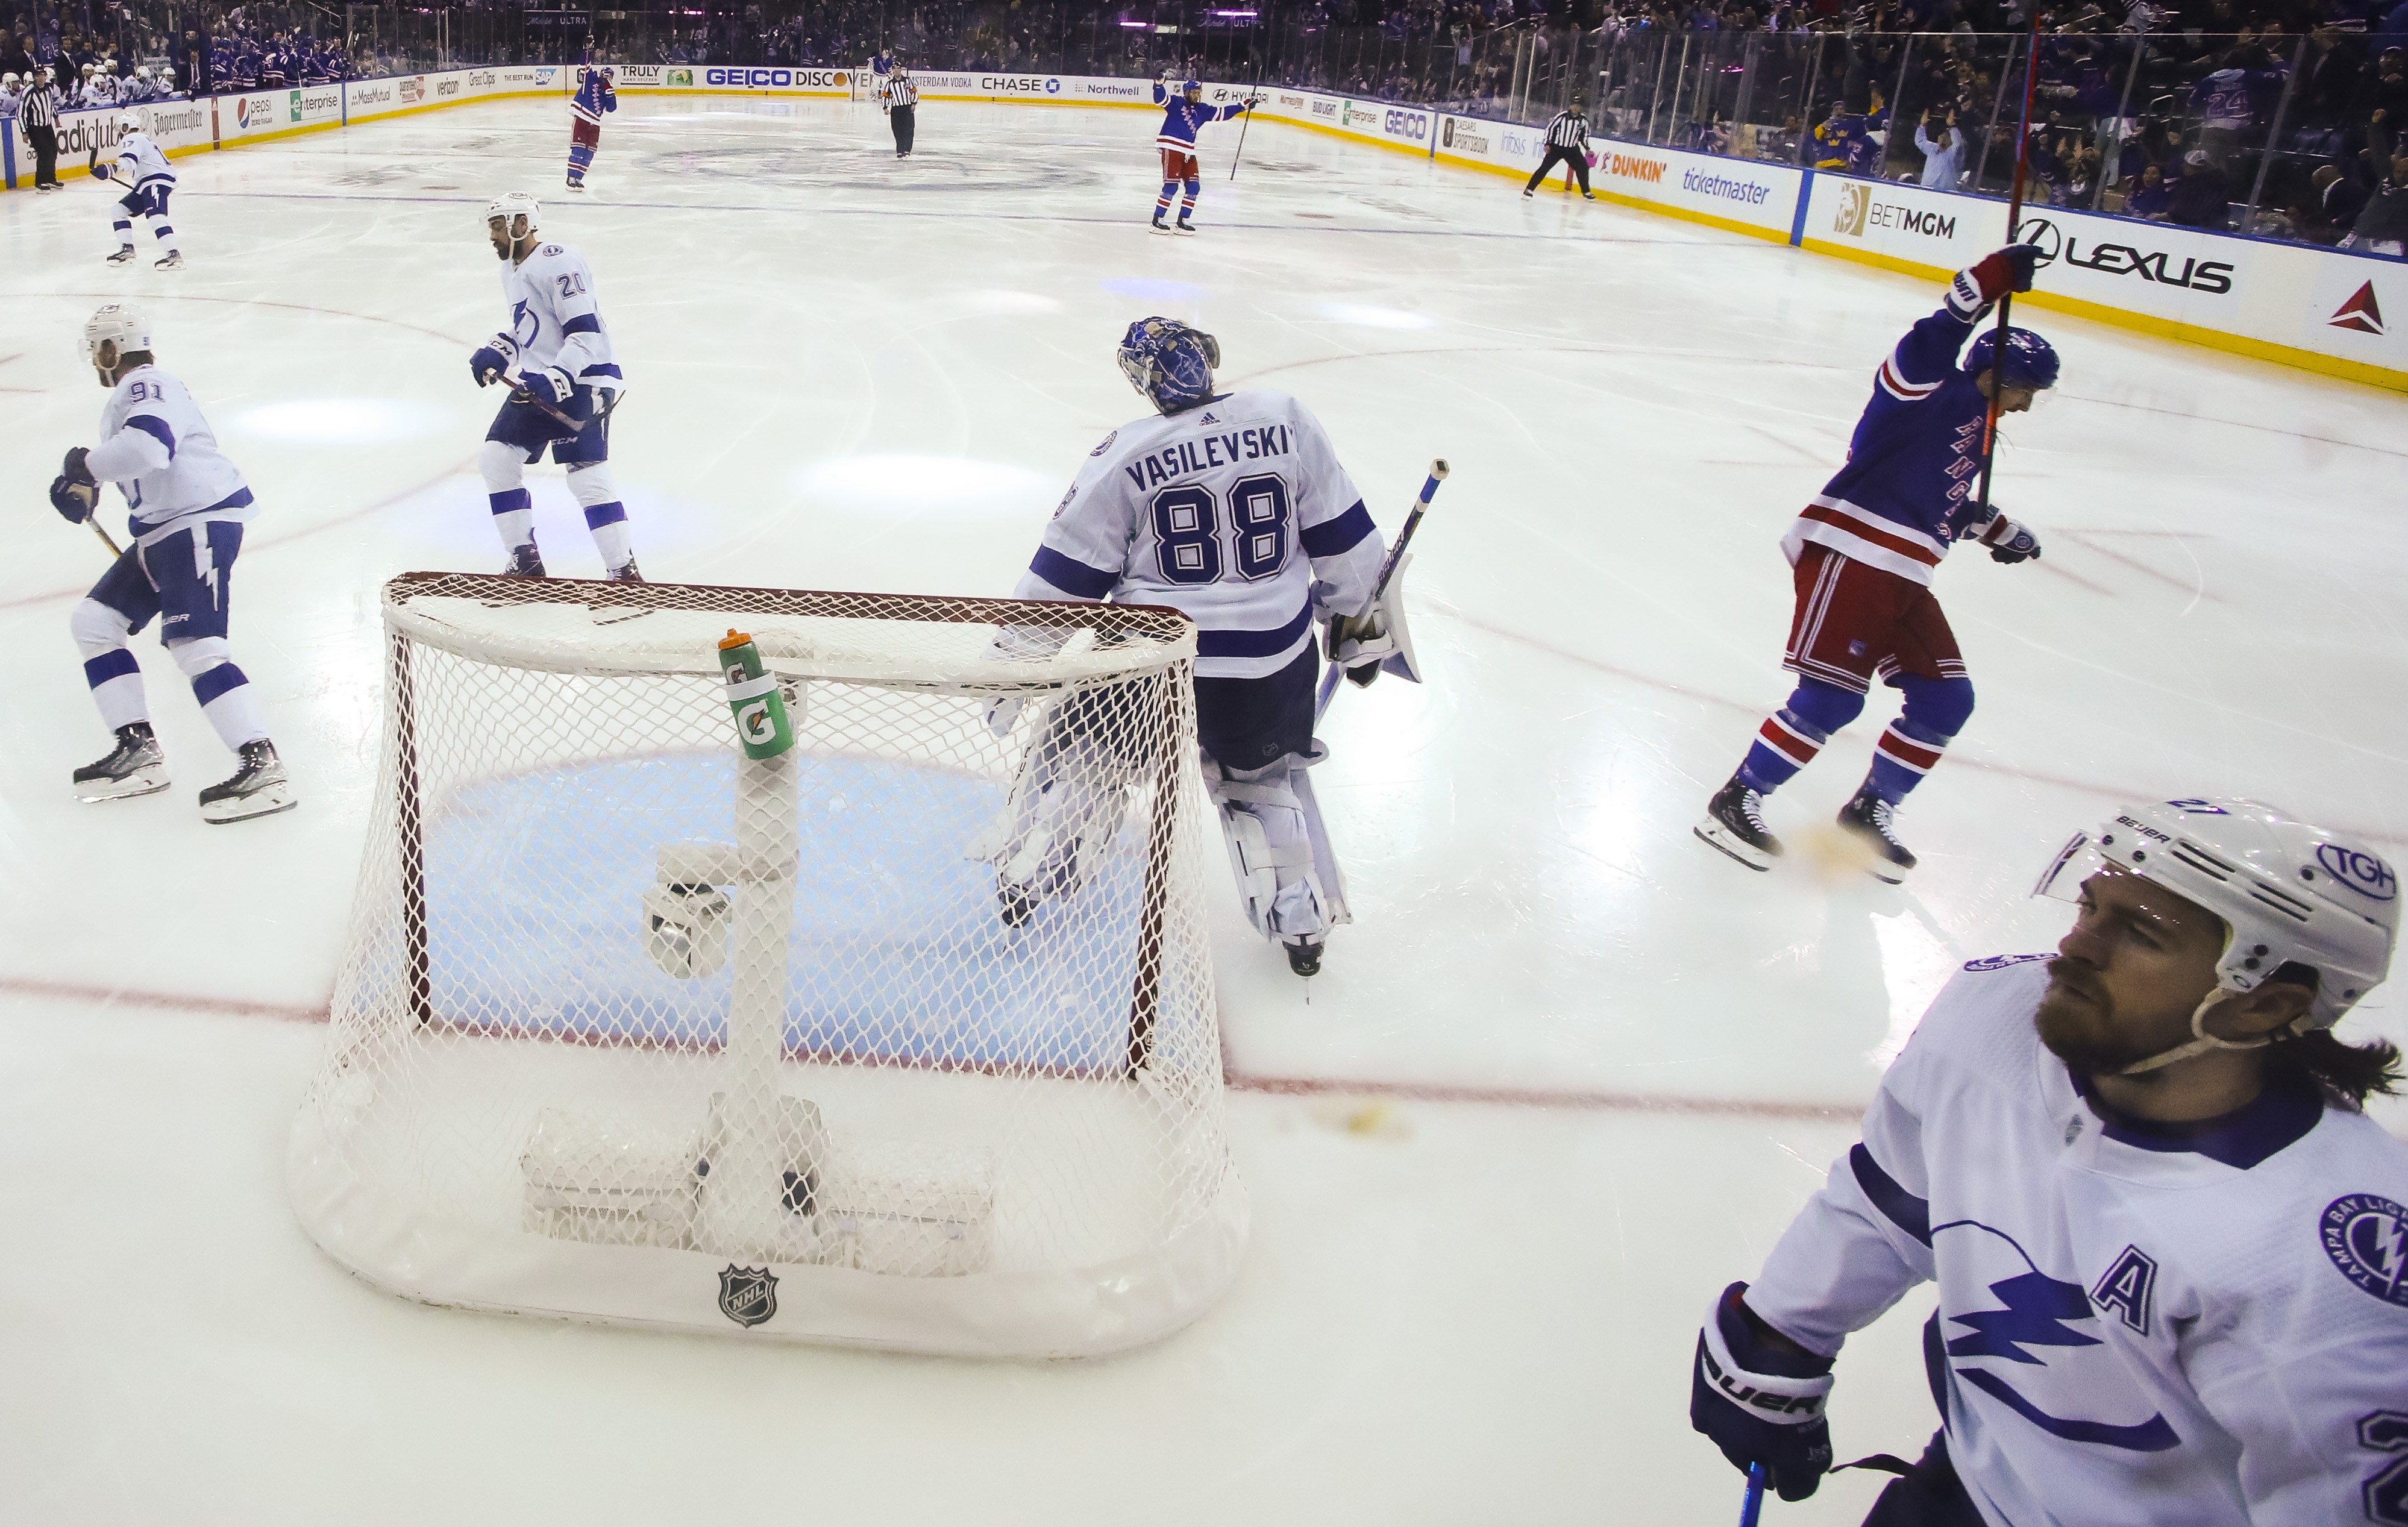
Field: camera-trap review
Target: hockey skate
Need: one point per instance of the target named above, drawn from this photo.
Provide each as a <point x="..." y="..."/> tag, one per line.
<point x="1869" y="819"/>
<point x="1734" y="825"/>
<point x="627" y="572"/>
<point x="258" y="789"/>
<point x="577" y="185"/>
<point x="1303" y="955"/>
<point x="137" y="767"/>
<point x="1182" y="226"/>
<point x="169" y="261"/>
<point x="122" y="257"/>
<point x="526" y="562"/>
<point x="1160" y="227"/>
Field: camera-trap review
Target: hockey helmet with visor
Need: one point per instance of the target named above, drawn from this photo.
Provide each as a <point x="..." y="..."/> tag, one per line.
<point x="2031" y="361"/>
<point x="116" y="331"/>
<point x="2288" y="896"/>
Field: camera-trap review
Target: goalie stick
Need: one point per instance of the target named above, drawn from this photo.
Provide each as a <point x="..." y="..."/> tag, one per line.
<point x="1387" y="570"/>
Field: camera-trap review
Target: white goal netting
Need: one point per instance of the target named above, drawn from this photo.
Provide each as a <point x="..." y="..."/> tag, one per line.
<point x="848" y="984"/>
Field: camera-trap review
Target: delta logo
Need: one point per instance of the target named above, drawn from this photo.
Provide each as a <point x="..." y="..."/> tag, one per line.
<point x="2361" y="313"/>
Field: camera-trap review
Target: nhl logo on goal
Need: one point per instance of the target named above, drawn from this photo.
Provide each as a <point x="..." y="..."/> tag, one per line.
<point x="746" y="1295"/>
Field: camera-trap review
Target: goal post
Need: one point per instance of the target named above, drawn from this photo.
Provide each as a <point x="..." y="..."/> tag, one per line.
<point x="824" y="966"/>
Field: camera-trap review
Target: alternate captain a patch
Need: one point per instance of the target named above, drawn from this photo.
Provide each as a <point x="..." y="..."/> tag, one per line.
<point x="2366" y="1235"/>
<point x="746" y="1295"/>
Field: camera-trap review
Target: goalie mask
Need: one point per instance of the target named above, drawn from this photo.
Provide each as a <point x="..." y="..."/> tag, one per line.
<point x="1169" y="362"/>
<point x="2288" y="893"/>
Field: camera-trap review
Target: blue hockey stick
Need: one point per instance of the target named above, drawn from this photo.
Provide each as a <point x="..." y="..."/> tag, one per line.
<point x="1387" y="570"/>
<point x="1752" y="1504"/>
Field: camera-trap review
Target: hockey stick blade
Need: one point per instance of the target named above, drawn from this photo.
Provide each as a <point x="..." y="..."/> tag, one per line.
<point x="1438" y="471"/>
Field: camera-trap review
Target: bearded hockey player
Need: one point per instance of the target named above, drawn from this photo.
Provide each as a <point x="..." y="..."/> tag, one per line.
<point x="1182" y="114"/>
<point x="2170" y="1251"/>
<point x="141" y="170"/>
<point x="189" y="504"/>
<point x="565" y="383"/>
<point x="1232" y="508"/>
<point x="1862" y="554"/>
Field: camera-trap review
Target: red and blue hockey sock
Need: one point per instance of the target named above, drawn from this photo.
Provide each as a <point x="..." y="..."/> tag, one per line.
<point x="580" y="159"/>
<point x="1187" y="202"/>
<point x="1162" y="203"/>
<point x="1792" y="735"/>
<point x="1936" y="711"/>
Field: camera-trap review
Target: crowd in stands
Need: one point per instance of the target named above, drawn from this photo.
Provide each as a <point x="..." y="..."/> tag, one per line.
<point x="2281" y="118"/>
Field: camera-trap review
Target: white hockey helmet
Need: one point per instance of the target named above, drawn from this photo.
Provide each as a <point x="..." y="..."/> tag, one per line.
<point x="129" y="122"/>
<point x="126" y="326"/>
<point x="7" y="79"/>
<point x="514" y="204"/>
<point x="2287" y="893"/>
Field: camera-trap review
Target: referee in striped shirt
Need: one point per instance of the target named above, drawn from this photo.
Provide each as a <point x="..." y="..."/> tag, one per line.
<point x="896" y="97"/>
<point x="37" y="112"/>
<point x="1567" y="144"/>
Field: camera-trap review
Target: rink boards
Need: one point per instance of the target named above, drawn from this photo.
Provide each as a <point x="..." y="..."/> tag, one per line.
<point x="2319" y="309"/>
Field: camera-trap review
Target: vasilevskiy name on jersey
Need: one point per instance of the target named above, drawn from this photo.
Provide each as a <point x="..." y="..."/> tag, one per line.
<point x="1231" y="512"/>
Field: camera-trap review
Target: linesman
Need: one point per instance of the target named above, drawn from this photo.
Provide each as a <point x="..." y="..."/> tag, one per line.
<point x="1567" y="144"/>
<point x="39" y="110"/>
<point x="899" y="97"/>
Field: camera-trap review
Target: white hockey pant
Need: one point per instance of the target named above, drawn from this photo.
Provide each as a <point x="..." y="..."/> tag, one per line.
<point x="225" y="693"/>
<point x="1070" y="792"/>
<point x="1286" y="873"/>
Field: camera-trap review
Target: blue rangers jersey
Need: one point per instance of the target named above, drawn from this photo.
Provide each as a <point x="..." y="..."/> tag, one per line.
<point x="163" y="456"/>
<point x="555" y="318"/>
<point x="2149" y="1324"/>
<point x="140" y="165"/>
<point x="594" y="95"/>
<point x="1180" y="120"/>
<point x="1235" y="512"/>
<point x="1914" y="462"/>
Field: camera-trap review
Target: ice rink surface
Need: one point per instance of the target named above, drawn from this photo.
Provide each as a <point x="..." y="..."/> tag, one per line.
<point x="1568" y="1073"/>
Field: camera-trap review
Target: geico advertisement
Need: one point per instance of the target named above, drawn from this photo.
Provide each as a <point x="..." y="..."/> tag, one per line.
<point x="766" y="78"/>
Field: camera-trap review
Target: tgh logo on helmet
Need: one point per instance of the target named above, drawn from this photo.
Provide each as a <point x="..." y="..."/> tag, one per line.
<point x="2358" y="870"/>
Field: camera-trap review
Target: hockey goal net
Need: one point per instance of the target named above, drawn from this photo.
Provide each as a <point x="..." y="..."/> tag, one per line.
<point x="846" y="984"/>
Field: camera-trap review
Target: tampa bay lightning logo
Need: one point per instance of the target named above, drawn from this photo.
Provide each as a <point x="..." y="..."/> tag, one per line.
<point x="1107" y="445"/>
<point x="2358" y="870"/>
<point x="2037" y="1314"/>
<point x="2365" y="1234"/>
<point x="525" y="326"/>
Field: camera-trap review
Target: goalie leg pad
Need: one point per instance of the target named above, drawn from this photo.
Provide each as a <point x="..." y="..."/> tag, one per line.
<point x="1278" y="850"/>
<point x="1071" y="793"/>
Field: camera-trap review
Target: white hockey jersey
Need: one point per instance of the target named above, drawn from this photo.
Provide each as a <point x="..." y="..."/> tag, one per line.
<point x="2150" y="1325"/>
<point x="163" y="456"/>
<point x="141" y="165"/>
<point x="556" y="317"/>
<point x="1234" y="512"/>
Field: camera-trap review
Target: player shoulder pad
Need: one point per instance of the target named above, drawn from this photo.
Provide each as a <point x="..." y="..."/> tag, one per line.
<point x="551" y="252"/>
<point x="1105" y="444"/>
<point x="1983" y="1015"/>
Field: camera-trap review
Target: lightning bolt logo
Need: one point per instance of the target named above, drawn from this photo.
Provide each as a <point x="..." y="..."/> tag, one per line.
<point x="2036" y="1309"/>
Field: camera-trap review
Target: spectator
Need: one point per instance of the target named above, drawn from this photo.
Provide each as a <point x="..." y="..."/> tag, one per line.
<point x="2382" y="226"/>
<point x="2390" y="110"/>
<point x="1943" y="160"/>
<point x="2201" y="198"/>
<point x="2327" y="212"/>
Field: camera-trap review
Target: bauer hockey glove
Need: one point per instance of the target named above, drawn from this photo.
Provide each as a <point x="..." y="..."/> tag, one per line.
<point x="493" y="363"/>
<point x="74" y="493"/>
<point x="2009" y="541"/>
<point x="1760" y="1404"/>
<point x="1992" y="277"/>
